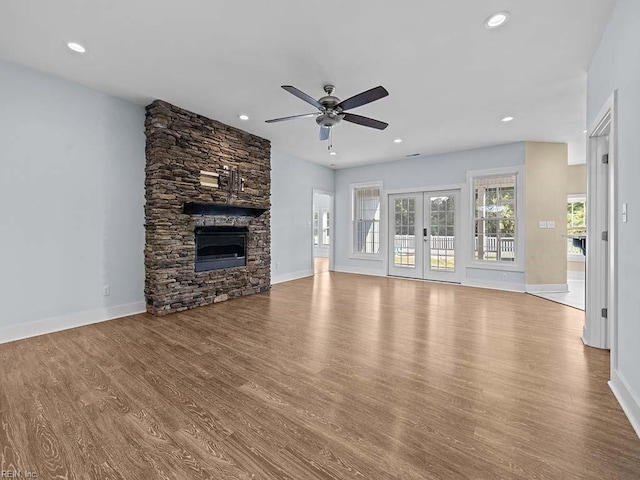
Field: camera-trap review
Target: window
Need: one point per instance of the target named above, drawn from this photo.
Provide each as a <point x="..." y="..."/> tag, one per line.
<point x="576" y="225"/>
<point x="325" y="227"/>
<point x="315" y="228"/>
<point x="495" y="218"/>
<point x="366" y="219"/>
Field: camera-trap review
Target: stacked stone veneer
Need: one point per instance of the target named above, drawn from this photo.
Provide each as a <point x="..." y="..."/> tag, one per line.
<point x="179" y="145"/>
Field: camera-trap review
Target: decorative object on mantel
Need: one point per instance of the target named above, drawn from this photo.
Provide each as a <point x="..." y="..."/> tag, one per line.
<point x="209" y="179"/>
<point x="233" y="181"/>
<point x="230" y="178"/>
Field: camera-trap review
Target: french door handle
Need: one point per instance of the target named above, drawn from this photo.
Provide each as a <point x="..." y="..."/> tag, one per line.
<point x="424" y="232"/>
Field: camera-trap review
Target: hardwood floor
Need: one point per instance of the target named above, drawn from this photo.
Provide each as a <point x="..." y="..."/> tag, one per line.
<point x="330" y="377"/>
<point x="320" y="265"/>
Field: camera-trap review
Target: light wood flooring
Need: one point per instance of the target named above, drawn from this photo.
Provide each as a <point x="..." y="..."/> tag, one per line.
<point x="320" y="265"/>
<point x="335" y="376"/>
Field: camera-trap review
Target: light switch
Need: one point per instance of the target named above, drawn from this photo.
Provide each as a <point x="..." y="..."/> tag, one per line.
<point x="542" y="224"/>
<point x="624" y="213"/>
<point x="551" y="224"/>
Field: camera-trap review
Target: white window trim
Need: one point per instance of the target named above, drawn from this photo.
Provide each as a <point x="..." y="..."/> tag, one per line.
<point x="352" y="252"/>
<point x="576" y="197"/>
<point x="518" y="265"/>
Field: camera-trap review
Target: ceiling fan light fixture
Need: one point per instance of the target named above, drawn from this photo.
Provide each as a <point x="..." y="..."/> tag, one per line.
<point x="76" y="47"/>
<point x="397" y="140"/>
<point x="333" y="153"/>
<point x="243" y="117"/>
<point x="507" y="119"/>
<point x="332" y="110"/>
<point x="497" y="20"/>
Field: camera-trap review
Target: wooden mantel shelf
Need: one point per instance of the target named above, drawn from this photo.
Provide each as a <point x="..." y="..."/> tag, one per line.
<point x="193" y="208"/>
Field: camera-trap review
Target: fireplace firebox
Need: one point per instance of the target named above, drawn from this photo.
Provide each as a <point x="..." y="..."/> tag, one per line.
<point x="220" y="247"/>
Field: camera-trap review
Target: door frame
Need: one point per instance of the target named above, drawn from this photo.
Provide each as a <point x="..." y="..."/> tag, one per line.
<point x="602" y="216"/>
<point x="418" y="274"/>
<point x="331" y="226"/>
<point x="465" y="240"/>
<point x="457" y="274"/>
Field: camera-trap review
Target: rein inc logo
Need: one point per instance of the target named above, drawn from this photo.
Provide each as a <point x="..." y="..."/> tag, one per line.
<point x="17" y="474"/>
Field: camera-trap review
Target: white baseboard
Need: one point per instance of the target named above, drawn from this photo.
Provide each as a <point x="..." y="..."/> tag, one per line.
<point x="49" y="325"/>
<point x="287" y="277"/>
<point x="575" y="275"/>
<point x="359" y="271"/>
<point x="548" y="288"/>
<point x="493" y="285"/>
<point x="628" y="400"/>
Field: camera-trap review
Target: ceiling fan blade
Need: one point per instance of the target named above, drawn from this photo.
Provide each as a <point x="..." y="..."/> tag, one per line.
<point x="366" y="121"/>
<point x="274" y="120"/>
<point x="324" y="133"/>
<point x="303" y="96"/>
<point x="363" y="98"/>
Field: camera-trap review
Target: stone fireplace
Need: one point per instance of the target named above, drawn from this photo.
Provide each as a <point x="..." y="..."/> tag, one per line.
<point x="205" y="242"/>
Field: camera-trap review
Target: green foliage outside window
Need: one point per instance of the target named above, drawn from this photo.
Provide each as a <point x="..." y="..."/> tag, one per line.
<point x="576" y="218"/>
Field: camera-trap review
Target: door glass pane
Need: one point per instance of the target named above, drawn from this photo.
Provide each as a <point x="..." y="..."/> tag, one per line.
<point x="404" y="243"/>
<point x="442" y="233"/>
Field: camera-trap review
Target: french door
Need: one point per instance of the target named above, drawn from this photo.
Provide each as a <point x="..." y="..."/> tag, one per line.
<point x="423" y="235"/>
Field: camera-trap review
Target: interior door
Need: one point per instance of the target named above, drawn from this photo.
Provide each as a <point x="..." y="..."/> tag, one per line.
<point x="405" y="235"/>
<point x="441" y="224"/>
<point x="423" y="235"/>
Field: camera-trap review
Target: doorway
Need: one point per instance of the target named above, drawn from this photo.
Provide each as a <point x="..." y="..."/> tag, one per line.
<point x="600" y="322"/>
<point x="322" y="218"/>
<point x="424" y="235"/>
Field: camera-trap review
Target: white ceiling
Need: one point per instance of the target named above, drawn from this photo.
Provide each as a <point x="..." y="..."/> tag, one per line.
<point x="450" y="80"/>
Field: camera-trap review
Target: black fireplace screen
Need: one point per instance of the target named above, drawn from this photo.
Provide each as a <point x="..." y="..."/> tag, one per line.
<point x="220" y="247"/>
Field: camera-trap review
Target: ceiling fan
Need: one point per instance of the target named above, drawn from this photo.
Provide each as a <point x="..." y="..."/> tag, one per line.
<point x="332" y="110"/>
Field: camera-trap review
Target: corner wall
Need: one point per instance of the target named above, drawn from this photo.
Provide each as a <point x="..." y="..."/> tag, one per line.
<point x="292" y="184"/>
<point x="71" y="202"/>
<point x="615" y="66"/>
<point x="546" y="200"/>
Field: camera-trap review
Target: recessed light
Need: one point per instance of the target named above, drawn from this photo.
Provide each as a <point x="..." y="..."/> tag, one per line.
<point x="506" y="119"/>
<point x="333" y="153"/>
<point x="76" y="47"/>
<point x="497" y="20"/>
<point x="584" y="131"/>
<point x="243" y="117"/>
<point x="397" y="140"/>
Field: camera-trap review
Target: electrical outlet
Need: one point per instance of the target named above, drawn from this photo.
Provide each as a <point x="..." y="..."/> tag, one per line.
<point x="106" y="290"/>
<point x="504" y="276"/>
<point x="277" y="264"/>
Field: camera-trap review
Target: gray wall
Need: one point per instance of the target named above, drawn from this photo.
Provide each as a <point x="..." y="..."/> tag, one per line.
<point x="616" y="66"/>
<point x="435" y="170"/>
<point x="292" y="184"/>
<point x="71" y="197"/>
